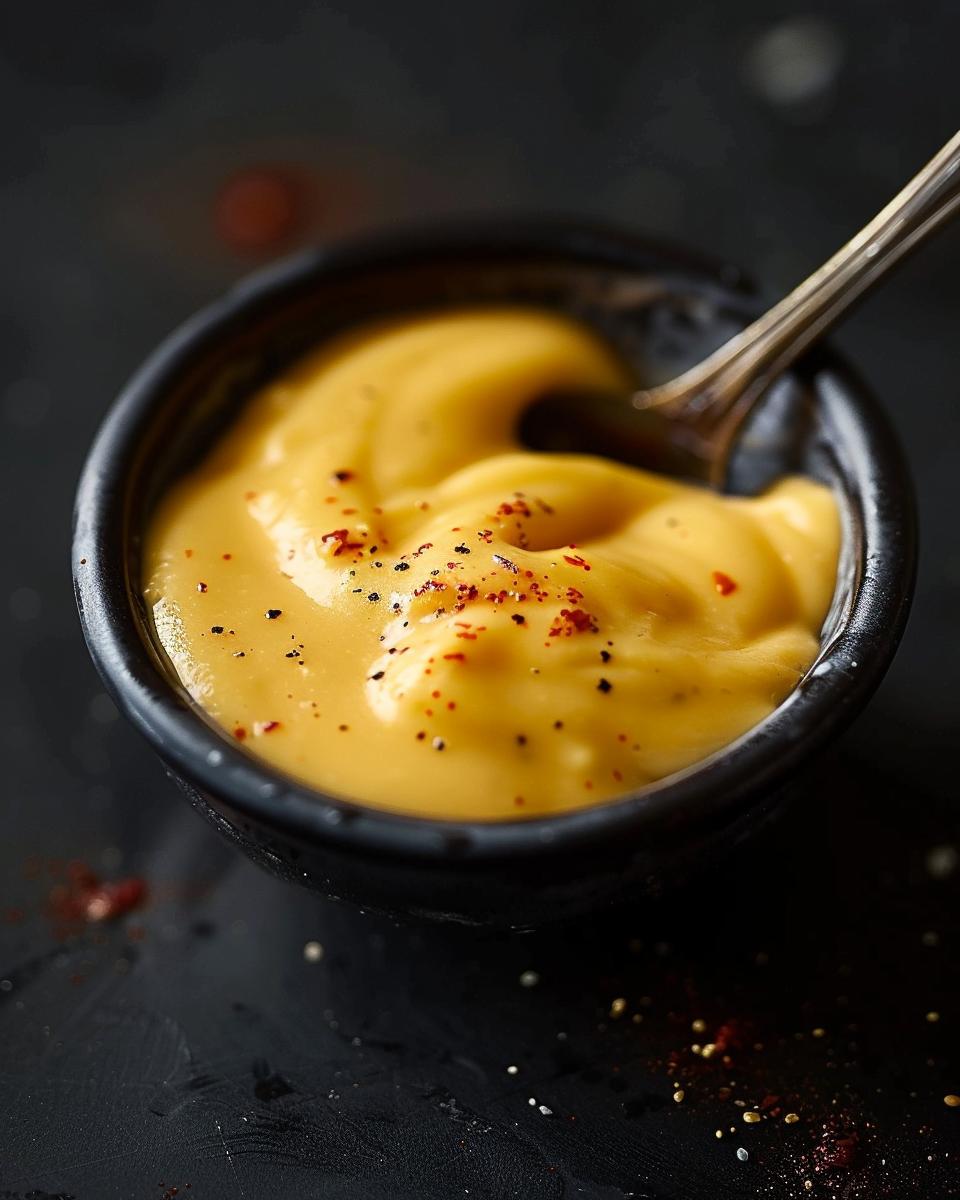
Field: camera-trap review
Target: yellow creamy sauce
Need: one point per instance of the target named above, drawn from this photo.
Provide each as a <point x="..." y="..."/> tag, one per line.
<point x="373" y="586"/>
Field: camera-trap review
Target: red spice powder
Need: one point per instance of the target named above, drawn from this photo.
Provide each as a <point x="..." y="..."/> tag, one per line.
<point x="85" y="897"/>
<point x="576" y="561"/>
<point x="431" y="585"/>
<point x="342" y="538"/>
<point x="571" y="621"/>
<point x="723" y="583"/>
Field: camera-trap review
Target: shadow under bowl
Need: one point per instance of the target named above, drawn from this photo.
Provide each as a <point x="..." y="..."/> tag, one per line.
<point x="663" y="308"/>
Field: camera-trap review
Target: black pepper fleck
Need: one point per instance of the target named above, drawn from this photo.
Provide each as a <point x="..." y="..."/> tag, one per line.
<point x="461" y="549"/>
<point x="272" y="613"/>
<point x="378" y="674"/>
<point x="518" y="618"/>
<point x="604" y="685"/>
<point x="605" y="655"/>
<point x="373" y="597"/>
<point x="216" y="629"/>
<point x="402" y="566"/>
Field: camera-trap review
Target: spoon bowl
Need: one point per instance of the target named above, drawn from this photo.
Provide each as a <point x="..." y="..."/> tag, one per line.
<point x="688" y="426"/>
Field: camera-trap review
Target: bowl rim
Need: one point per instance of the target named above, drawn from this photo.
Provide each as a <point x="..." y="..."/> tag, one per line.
<point x="833" y="691"/>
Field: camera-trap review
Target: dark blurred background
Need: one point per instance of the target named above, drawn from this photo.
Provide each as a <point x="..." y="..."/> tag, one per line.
<point x="152" y="153"/>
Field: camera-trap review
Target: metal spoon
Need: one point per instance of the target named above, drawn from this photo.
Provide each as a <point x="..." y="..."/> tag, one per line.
<point x="689" y="425"/>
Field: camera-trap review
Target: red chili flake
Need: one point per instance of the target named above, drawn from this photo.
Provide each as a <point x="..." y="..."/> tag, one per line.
<point x="188" y="553"/>
<point x="576" y="561"/>
<point x="240" y="733"/>
<point x="86" y="898"/>
<point x="485" y="535"/>
<point x="420" y="549"/>
<point x="471" y="637"/>
<point x="455" y="657"/>
<point x="260" y="209"/>
<point x="348" y="512"/>
<point x="341" y="476"/>
<point x="451" y="705"/>
<point x="723" y="583"/>
<point x="342" y="539"/>
<point x="249" y="495"/>
<point x="618" y="777"/>
<point x="517" y="506"/>
<point x="572" y="620"/>
<point x="343" y="728"/>
<point x="505" y="562"/>
<point x="518" y="801"/>
<point x="201" y="587"/>
<point x="518" y="618"/>
<point x="728" y="1035"/>
<point x="421" y="735"/>
<point x="574" y="595"/>
<point x="267" y="727"/>
<point x="431" y="585"/>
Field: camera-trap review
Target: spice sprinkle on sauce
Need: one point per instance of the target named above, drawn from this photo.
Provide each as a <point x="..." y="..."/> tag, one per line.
<point x="467" y="587"/>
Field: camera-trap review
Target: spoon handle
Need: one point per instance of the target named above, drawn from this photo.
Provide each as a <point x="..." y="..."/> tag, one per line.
<point x="713" y="397"/>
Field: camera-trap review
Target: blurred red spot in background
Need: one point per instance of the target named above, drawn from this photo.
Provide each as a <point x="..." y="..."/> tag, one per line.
<point x="83" y="896"/>
<point x="261" y="209"/>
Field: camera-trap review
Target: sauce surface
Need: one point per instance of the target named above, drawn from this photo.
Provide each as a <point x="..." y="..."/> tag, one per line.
<point x="373" y="586"/>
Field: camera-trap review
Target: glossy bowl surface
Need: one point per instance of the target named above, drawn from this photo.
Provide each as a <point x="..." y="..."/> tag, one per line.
<point x="664" y="308"/>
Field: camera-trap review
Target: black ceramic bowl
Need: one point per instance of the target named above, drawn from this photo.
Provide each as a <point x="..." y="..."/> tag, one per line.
<point x="664" y="308"/>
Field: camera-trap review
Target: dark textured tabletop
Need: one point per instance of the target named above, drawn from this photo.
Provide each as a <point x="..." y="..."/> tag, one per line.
<point x="233" y="1037"/>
